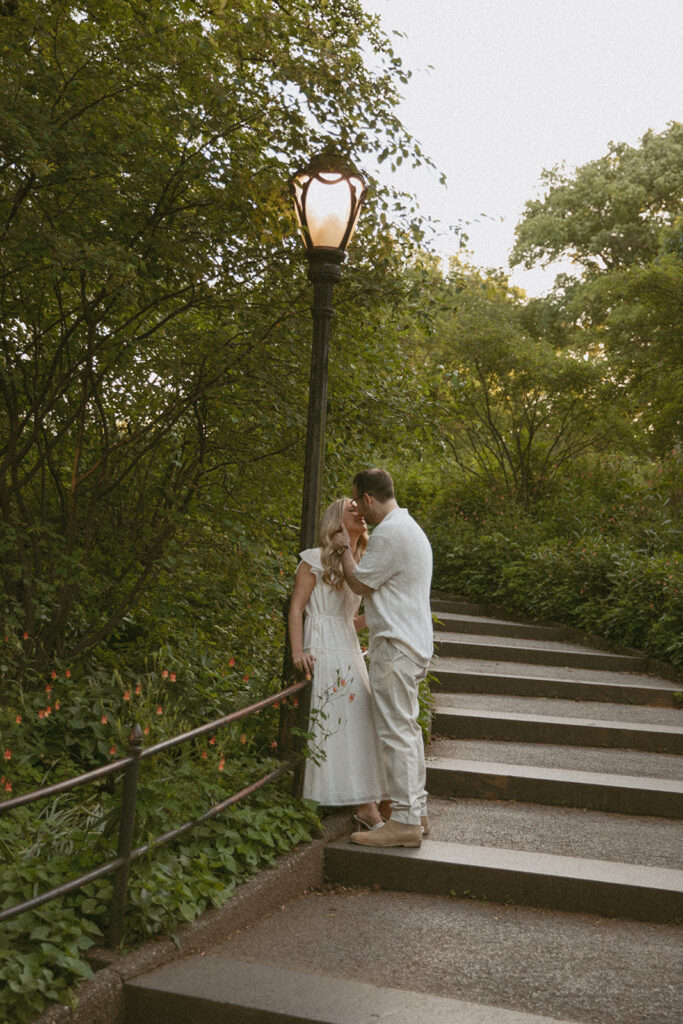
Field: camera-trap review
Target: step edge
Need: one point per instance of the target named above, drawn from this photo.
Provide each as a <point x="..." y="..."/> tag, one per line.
<point x="528" y="862"/>
<point x="664" y="685"/>
<point x="592" y="723"/>
<point x="653" y="784"/>
<point x="344" y="990"/>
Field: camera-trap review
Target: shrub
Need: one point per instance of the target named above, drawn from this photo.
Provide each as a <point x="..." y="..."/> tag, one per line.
<point x="602" y="551"/>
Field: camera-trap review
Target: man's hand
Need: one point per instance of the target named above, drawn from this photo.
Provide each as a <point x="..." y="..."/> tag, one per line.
<point x="342" y="546"/>
<point x="341" y="539"/>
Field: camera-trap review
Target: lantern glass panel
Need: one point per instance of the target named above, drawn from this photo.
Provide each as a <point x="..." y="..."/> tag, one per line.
<point x="328" y="210"/>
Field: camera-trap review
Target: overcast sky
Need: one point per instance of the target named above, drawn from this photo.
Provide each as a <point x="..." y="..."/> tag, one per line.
<point x="519" y="85"/>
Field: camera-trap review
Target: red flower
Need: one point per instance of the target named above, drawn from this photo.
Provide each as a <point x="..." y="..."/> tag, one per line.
<point x="8" y="786"/>
<point x="103" y="719"/>
<point x="243" y="737"/>
<point x="25" y="634"/>
<point x="53" y="674"/>
<point x="164" y="674"/>
<point x="57" y="706"/>
<point x="212" y="741"/>
<point x="67" y="674"/>
<point x="295" y="702"/>
<point x="18" y="719"/>
<point x="48" y="710"/>
<point x="41" y="713"/>
<point x="245" y="677"/>
<point x="231" y="663"/>
<point x="8" y="754"/>
<point x="276" y="705"/>
<point x="112" y="750"/>
<point x="204" y="755"/>
<point x="160" y="710"/>
<point x="138" y="690"/>
<point x="352" y="696"/>
<point x="146" y="730"/>
<point x="343" y="682"/>
<point x="172" y="677"/>
<point x="221" y="764"/>
<point x="48" y="689"/>
<point x="273" y="745"/>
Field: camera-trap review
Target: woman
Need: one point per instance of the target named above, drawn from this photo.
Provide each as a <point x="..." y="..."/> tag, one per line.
<point x="325" y="645"/>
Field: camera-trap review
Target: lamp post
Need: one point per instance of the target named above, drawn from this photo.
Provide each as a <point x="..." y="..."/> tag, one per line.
<point x="328" y="196"/>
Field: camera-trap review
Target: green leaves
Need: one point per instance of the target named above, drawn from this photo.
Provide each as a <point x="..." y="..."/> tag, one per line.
<point x="609" y="214"/>
<point x="152" y="357"/>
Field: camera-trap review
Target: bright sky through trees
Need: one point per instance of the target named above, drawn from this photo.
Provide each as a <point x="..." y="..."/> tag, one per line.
<point x="520" y="85"/>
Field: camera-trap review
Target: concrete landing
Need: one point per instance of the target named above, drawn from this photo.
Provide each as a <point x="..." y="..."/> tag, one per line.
<point x="562" y="966"/>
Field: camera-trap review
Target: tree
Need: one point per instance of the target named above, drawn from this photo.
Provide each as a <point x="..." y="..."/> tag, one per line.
<point x="148" y="338"/>
<point x="609" y="214"/>
<point x="619" y="220"/>
<point x="511" y="408"/>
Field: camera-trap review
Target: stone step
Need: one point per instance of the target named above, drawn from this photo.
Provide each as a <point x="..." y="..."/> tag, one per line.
<point x="577" y="884"/>
<point x="560" y="965"/>
<point x="534" y="652"/>
<point x="505" y="725"/>
<point x="457" y="606"/>
<point x="480" y="676"/>
<point x="593" y="759"/>
<point x="215" y="990"/>
<point x="491" y="780"/>
<point x="562" y="831"/>
<point x="558" y="708"/>
<point x="484" y="626"/>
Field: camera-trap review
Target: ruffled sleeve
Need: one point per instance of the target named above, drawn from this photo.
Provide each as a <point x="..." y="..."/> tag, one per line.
<point x="312" y="557"/>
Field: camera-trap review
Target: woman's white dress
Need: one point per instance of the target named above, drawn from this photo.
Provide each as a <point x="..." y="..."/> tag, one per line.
<point x="342" y="722"/>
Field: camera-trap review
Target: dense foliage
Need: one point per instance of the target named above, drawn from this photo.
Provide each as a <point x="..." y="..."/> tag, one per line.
<point x="601" y="551"/>
<point x="153" y="377"/>
<point x="152" y="348"/>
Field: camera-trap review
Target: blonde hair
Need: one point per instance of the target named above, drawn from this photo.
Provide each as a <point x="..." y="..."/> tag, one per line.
<point x="330" y="523"/>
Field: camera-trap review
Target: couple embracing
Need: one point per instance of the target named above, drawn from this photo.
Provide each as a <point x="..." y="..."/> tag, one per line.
<point x="367" y="725"/>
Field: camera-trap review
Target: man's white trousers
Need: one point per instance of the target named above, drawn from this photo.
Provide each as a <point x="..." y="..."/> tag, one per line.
<point x="394" y="683"/>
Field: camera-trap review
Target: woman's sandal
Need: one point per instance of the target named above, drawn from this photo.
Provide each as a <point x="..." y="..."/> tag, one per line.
<point x="366" y="824"/>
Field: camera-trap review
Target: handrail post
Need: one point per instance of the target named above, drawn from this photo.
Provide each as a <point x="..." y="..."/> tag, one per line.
<point x="126" y="826"/>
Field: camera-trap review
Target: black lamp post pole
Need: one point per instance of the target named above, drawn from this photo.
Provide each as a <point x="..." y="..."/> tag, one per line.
<point x="324" y="272"/>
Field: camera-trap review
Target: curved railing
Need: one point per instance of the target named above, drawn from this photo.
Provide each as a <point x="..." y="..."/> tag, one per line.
<point x="130" y="765"/>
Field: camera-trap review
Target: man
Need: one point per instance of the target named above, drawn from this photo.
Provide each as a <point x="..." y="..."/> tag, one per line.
<point x="394" y="578"/>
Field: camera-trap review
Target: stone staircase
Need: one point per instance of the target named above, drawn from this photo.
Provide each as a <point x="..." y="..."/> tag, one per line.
<point x="550" y="887"/>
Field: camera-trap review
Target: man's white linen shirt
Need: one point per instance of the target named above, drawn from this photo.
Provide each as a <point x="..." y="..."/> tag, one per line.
<point x="397" y="566"/>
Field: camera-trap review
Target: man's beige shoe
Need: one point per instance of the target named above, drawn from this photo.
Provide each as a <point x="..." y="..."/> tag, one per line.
<point x="424" y="824"/>
<point x="391" y="833"/>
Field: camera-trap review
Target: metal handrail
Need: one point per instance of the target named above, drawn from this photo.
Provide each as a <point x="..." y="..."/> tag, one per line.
<point x="126" y="854"/>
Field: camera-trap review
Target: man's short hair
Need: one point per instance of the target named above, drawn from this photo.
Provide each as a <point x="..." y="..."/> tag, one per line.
<point x="375" y="482"/>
